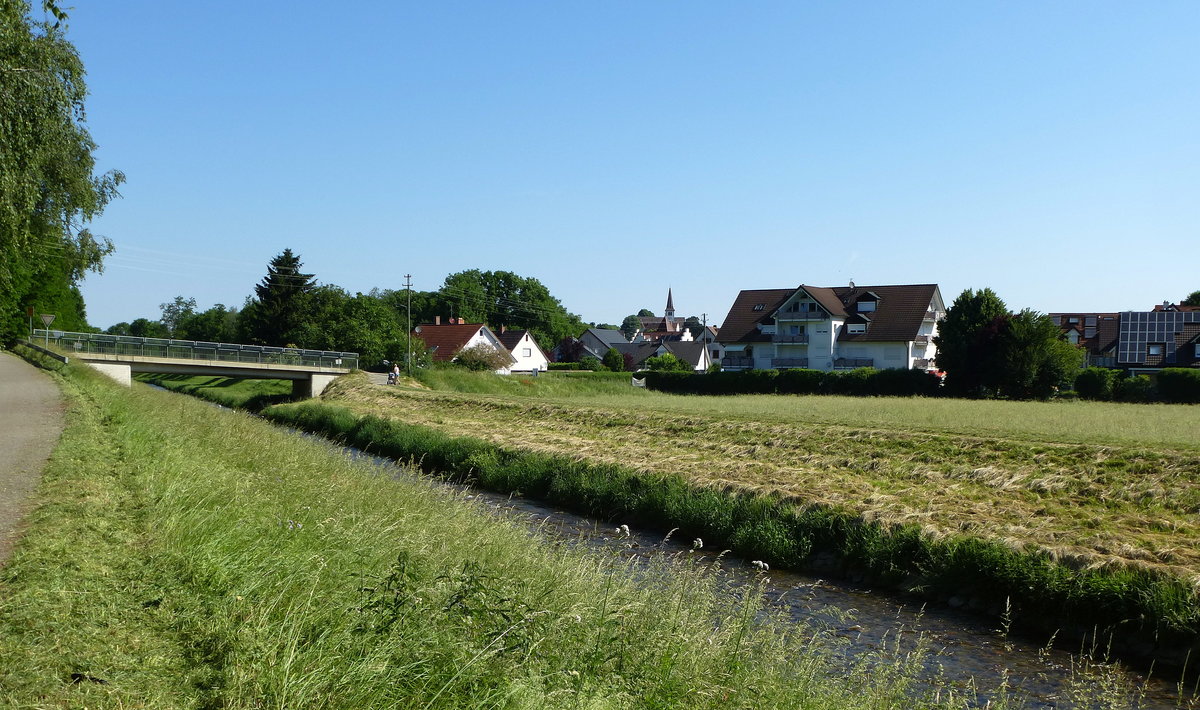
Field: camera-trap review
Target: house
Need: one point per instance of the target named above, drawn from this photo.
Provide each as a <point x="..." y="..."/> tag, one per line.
<point x="1141" y="342"/>
<point x="597" y="341"/>
<point x="693" y="353"/>
<point x="528" y="355"/>
<point x="1096" y="333"/>
<point x="1168" y="336"/>
<point x="444" y="341"/>
<point x="833" y="328"/>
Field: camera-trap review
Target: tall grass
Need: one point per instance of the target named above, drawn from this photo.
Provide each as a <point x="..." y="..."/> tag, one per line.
<point x="227" y="391"/>
<point x="183" y="556"/>
<point x="1130" y="604"/>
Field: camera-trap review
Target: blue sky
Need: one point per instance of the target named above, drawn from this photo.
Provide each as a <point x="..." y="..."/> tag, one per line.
<point x="1049" y="151"/>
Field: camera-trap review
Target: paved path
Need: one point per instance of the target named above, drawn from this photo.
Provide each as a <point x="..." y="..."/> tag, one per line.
<point x="31" y="420"/>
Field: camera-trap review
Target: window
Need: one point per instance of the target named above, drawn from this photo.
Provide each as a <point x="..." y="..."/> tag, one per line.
<point x="795" y="330"/>
<point x="526" y="352"/>
<point x="856" y="328"/>
<point x="759" y="306"/>
<point x="1072" y="320"/>
<point x="1154" y="350"/>
<point x="866" y="306"/>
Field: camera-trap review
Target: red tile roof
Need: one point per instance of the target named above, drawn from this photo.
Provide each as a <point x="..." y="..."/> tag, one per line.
<point x="447" y="340"/>
<point x="748" y="309"/>
<point x="900" y="310"/>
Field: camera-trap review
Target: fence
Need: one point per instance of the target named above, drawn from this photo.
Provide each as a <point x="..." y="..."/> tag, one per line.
<point x="101" y="343"/>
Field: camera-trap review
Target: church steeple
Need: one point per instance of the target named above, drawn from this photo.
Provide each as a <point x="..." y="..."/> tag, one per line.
<point x="669" y="313"/>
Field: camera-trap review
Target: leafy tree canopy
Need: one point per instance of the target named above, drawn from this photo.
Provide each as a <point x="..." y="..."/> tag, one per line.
<point x="504" y="299"/>
<point x="614" y="360"/>
<point x="668" y="363"/>
<point x="965" y="347"/>
<point x="48" y="188"/>
<point x="645" y="313"/>
<point x="630" y="326"/>
<point x="1193" y="299"/>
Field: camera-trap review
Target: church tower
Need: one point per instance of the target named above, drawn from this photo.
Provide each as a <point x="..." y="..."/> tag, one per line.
<point x="669" y="313"/>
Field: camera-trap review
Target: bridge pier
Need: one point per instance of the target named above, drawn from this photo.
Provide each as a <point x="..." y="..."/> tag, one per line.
<point x="312" y="386"/>
<point x="118" y="371"/>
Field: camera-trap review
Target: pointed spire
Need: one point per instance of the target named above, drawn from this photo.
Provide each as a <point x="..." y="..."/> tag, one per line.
<point x="670" y="312"/>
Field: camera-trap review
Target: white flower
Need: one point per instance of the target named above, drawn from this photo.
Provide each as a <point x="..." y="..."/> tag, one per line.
<point x="697" y="544"/>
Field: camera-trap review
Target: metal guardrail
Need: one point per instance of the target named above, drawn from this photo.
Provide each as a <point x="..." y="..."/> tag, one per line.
<point x="103" y="344"/>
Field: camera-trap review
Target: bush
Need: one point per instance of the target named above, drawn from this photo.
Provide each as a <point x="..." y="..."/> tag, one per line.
<point x="614" y="360"/>
<point x="562" y="366"/>
<point x="1138" y="388"/>
<point x="483" y="357"/>
<point x="1177" y="384"/>
<point x="590" y="363"/>
<point x="1096" y="383"/>
<point x="667" y="363"/>
<point x="861" y="382"/>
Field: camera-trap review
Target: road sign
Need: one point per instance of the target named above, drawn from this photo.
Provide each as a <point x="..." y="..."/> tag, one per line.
<point x="29" y="311"/>
<point x="47" y="318"/>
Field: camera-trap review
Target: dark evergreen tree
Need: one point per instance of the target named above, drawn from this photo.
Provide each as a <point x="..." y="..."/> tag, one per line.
<point x="278" y="309"/>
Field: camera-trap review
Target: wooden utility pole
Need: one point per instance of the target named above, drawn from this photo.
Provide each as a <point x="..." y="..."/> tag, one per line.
<point x="408" y="355"/>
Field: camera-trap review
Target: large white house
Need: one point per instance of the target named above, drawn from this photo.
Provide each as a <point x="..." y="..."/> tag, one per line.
<point x="446" y="341"/>
<point x="832" y="328"/>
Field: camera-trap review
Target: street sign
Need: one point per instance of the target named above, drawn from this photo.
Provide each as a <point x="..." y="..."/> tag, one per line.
<point x="29" y="311"/>
<point x="47" y="318"/>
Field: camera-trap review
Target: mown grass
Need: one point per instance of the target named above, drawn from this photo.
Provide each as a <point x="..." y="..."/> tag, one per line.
<point x="184" y="556"/>
<point x="555" y="384"/>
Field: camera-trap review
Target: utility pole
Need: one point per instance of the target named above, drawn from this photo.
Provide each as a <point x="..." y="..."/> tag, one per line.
<point x="704" y="339"/>
<point x="408" y="355"/>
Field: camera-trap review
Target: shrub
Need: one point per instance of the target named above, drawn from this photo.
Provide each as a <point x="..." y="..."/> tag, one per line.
<point x="667" y="363"/>
<point x="590" y="363"/>
<point x="613" y="360"/>
<point x="1138" y="388"/>
<point x="1096" y="383"/>
<point x="1177" y="384"/>
<point x="483" y="357"/>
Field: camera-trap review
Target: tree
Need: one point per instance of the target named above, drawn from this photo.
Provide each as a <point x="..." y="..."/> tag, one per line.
<point x="613" y="360"/>
<point x="1192" y="300"/>
<point x="175" y="312"/>
<point x="278" y="309"/>
<point x="570" y="349"/>
<point x="146" y="328"/>
<point x="217" y="324"/>
<point x="966" y="341"/>
<point x="48" y="188"/>
<point x="1033" y="360"/>
<point x="504" y="299"/>
<point x="645" y="313"/>
<point x="630" y="326"/>
<point x="667" y="363"/>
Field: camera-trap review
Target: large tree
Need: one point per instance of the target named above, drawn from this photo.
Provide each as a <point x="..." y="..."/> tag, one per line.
<point x="966" y="348"/>
<point x="504" y="299"/>
<point x="48" y="187"/>
<point x="1193" y="299"/>
<point x="1032" y="358"/>
<point x="278" y="309"/>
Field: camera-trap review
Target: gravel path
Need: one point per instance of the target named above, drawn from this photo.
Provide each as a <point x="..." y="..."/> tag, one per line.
<point x="31" y="420"/>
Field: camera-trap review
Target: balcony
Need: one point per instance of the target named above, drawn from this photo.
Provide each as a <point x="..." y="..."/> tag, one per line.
<point x="793" y="339"/>
<point x="801" y="315"/>
<point x="850" y="363"/>
<point x="922" y="363"/>
<point x="782" y="363"/>
<point x="737" y="362"/>
<point x="931" y="315"/>
<point x="921" y="340"/>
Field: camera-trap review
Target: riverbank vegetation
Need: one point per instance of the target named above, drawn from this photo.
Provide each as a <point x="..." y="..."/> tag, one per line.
<point x="184" y="556"/>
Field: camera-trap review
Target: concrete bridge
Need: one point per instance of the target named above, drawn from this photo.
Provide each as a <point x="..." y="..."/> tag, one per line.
<point x="119" y="356"/>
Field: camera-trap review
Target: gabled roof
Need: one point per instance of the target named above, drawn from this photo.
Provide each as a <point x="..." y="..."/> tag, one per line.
<point x="749" y="308"/>
<point x="511" y="338"/>
<point x="446" y="340"/>
<point x="691" y="352"/>
<point x="898" y="313"/>
<point x="607" y="336"/>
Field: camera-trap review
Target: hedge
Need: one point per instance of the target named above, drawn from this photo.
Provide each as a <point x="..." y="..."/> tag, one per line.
<point x="864" y="381"/>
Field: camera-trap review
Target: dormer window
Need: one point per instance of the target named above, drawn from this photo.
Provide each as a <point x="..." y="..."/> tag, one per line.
<point x="856" y="328"/>
<point x="866" y="306"/>
<point x="759" y="306"/>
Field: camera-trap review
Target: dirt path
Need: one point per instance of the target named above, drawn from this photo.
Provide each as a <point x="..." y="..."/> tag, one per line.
<point x="31" y="420"/>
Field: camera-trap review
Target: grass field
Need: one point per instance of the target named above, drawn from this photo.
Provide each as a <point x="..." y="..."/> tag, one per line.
<point x="1092" y="484"/>
<point x="181" y="556"/>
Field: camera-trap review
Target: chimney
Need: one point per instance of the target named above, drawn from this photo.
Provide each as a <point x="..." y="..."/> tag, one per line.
<point x="503" y="328"/>
<point x="437" y="320"/>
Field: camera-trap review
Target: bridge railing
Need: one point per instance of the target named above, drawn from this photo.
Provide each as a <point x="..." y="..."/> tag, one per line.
<point x="192" y="349"/>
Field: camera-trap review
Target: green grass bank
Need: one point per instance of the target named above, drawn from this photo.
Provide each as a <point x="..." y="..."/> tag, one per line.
<point x="181" y="556"/>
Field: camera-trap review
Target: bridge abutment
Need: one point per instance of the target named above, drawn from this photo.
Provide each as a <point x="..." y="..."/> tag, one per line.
<point x="118" y="371"/>
<point x="313" y="386"/>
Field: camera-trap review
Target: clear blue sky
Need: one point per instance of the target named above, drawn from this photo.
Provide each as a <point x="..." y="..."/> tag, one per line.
<point x="1050" y="151"/>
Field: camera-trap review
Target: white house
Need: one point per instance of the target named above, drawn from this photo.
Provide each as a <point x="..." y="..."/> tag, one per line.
<point x="528" y="355"/>
<point x="833" y="328"/>
<point x="446" y="341"/>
